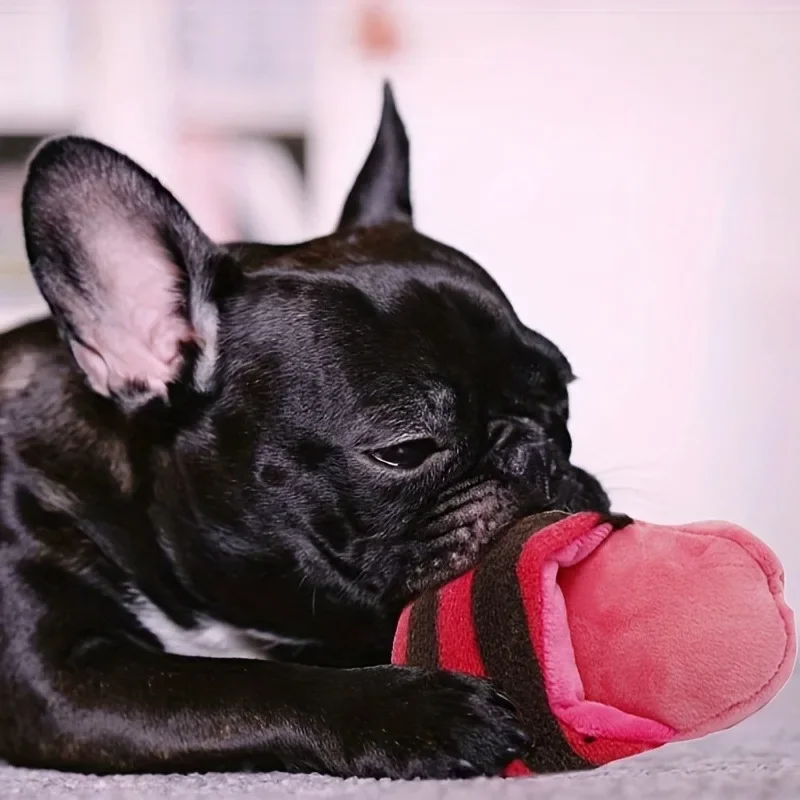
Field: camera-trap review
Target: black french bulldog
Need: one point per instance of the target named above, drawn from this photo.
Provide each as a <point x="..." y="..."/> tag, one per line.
<point x="224" y="470"/>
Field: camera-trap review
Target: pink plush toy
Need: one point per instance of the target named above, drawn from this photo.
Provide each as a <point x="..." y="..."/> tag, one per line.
<point x="613" y="642"/>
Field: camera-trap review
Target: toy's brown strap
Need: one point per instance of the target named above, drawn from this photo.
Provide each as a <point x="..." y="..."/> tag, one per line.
<point x="507" y="652"/>
<point x="423" y="647"/>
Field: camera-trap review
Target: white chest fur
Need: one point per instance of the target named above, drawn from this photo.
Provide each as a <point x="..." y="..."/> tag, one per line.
<point x="210" y="638"/>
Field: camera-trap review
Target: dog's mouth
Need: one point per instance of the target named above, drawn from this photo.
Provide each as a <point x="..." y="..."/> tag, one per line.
<point x="455" y="533"/>
<point x="476" y="507"/>
<point x="470" y="516"/>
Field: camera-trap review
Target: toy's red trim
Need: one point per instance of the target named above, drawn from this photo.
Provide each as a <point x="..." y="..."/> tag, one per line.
<point x="400" y="644"/>
<point x="458" y="642"/>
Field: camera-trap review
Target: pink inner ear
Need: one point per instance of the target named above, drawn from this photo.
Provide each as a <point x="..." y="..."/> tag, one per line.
<point x="660" y="633"/>
<point x="134" y="332"/>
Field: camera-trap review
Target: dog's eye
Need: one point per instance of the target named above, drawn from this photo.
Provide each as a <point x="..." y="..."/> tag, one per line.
<point x="406" y="455"/>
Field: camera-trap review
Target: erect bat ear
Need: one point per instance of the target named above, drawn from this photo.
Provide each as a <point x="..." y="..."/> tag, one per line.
<point x="125" y="270"/>
<point x="381" y="192"/>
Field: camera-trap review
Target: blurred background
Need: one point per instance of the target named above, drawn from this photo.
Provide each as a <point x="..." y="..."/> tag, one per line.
<point x="628" y="171"/>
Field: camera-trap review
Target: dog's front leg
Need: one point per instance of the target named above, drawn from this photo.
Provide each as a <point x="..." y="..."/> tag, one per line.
<point x="78" y="695"/>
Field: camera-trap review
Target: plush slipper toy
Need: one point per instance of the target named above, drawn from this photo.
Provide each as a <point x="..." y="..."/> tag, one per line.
<point x="612" y="641"/>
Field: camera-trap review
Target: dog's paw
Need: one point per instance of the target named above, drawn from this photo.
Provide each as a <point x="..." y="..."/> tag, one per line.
<point x="434" y="724"/>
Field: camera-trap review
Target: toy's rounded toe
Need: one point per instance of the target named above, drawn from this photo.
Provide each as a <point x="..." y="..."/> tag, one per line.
<point x="683" y="625"/>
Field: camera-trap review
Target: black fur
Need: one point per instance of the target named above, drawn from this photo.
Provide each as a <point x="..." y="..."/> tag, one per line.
<point x="251" y="485"/>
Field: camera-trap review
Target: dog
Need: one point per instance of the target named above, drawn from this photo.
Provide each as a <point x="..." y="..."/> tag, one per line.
<point x="225" y="469"/>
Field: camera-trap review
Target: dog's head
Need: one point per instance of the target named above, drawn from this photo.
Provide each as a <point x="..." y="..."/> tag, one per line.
<point x="361" y="412"/>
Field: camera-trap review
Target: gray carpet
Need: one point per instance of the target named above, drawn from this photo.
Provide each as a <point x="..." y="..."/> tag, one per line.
<point x="758" y="759"/>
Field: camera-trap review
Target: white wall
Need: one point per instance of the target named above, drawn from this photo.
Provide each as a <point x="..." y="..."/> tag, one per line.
<point x="633" y="182"/>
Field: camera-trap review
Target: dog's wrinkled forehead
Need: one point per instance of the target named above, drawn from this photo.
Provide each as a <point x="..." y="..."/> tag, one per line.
<point x="381" y="320"/>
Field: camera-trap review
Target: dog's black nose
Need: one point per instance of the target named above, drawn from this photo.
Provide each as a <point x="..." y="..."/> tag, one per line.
<point x="521" y="450"/>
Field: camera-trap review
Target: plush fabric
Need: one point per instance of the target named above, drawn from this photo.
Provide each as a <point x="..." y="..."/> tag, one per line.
<point x="726" y="628"/>
<point x="612" y="643"/>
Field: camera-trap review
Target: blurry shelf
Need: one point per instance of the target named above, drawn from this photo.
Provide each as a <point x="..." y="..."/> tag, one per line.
<point x="240" y="66"/>
<point x="244" y="64"/>
<point x="146" y="76"/>
<point x="274" y="112"/>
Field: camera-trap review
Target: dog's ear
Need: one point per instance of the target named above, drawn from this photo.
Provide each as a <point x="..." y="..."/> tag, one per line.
<point x="126" y="272"/>
<point x="381" y="192"/>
